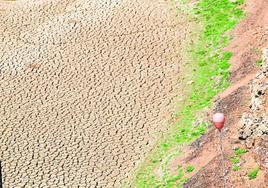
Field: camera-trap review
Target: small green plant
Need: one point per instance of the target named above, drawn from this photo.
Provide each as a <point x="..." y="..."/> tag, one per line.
<point x="154" y="161"/>
<point x="180" y="172"/>
<point x="252" y="174"/>
<point x="259" y="62"/>
<point x="183" y="181"/>
<point x="239" y="151"/>
<point x="189" y="168"/>
<point x="235" y="168"/>
<point x="234" y="159"/>
<point x="171" y="181"/>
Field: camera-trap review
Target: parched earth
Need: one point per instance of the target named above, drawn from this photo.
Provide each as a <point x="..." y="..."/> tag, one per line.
<point x="85" y="87"/>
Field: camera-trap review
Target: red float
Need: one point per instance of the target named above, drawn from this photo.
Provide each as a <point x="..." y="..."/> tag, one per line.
<point x="218" y="120"/>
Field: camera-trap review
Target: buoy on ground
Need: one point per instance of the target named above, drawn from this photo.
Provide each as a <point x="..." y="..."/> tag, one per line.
<point x="218" y="120"/>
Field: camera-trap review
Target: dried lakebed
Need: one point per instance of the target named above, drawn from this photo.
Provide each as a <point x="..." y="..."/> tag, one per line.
<point x="85" y="88"/>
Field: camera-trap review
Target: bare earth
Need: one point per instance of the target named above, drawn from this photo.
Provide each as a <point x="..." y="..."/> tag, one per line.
<point x="85" y="86"/>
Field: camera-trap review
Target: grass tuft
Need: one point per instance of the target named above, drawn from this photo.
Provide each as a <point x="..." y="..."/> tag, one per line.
<point x="235" y="168"/>
<point x="252" y="174"/>
<point x="239" y="151"/>
<point x="234" y="160"/>
<point x="259" y="62"/>
<point x="189" y="168"/>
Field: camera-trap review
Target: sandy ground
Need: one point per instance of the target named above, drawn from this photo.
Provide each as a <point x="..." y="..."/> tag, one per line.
<point x="85" y="86"/>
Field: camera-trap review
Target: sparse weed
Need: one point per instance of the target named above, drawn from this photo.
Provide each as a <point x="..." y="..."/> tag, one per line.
<point x="236" y="158"/>
<point x="235" y="168"/>
<point x="240" y="151"/>
<point x="259" y="62"/>
<point x="252" y="174"/>
<point x="189" y="168"/>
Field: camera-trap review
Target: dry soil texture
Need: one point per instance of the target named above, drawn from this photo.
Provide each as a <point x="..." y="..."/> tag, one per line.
<point x="85" y="85"/>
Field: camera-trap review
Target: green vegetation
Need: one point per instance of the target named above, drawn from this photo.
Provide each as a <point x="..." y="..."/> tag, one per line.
<point x="208" y="72"/>
<point x="171" y="181"/>
<point x="235" y="168"/>
<point x="189" y="168"/>
<point x="252" y="174"/>
<point x="259" y="62"/>
<point x="239" y="151"/>
<point x="236" y="158"/>
<point x="235" y="161"/>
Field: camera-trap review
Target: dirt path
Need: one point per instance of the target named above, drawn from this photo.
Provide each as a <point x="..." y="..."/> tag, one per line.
<point x="84" y="87"/>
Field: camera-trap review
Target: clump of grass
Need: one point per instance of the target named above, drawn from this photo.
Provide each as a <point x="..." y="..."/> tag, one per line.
<point x="252" y="174"/>
<point x="154" y="161"/>
<point x="235" y="168"/>
<point x="208" y="72"/>
<point x="259" y="62"/>
<point x="235" y="159"/>
<point x="170" y="182"/>
<point x="239" y="151"/>
<point x="189" y="168"/>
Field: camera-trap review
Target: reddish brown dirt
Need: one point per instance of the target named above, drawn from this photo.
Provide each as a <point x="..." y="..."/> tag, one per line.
<point x="250" y="37"/>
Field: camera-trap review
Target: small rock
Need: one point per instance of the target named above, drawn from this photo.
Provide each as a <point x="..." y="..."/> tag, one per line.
<point x="242" y="136"/>
<point x="263" y="127"/>
<point x="250" y="143"/>
<point x="253" y="126"/>
<point x="257" y="133"/>
<point x="247" y="131"/>
<point x="241" y="125"/>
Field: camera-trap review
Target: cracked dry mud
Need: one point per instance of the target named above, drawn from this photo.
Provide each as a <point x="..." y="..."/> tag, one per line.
<point x="85" y="87"/>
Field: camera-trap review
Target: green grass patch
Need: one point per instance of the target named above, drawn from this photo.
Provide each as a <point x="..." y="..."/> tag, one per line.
<point x="235" y="168"/>
<point x="235" y="159"/>
<point x="239" y="151"/>
<point x="207" y="69"/>
<point x="259" y="62"/>
<point x="189" y="168"/>
<point x="252" y="174"/>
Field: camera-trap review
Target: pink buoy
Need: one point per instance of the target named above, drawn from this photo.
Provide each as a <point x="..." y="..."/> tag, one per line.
<point x="218" y="120"/>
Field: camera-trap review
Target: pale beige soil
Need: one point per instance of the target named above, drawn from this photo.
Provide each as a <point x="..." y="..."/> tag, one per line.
<point x="85" y="87"/>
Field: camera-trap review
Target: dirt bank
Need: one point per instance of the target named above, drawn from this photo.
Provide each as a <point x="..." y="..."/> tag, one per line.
<point x="244" y="104"/>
